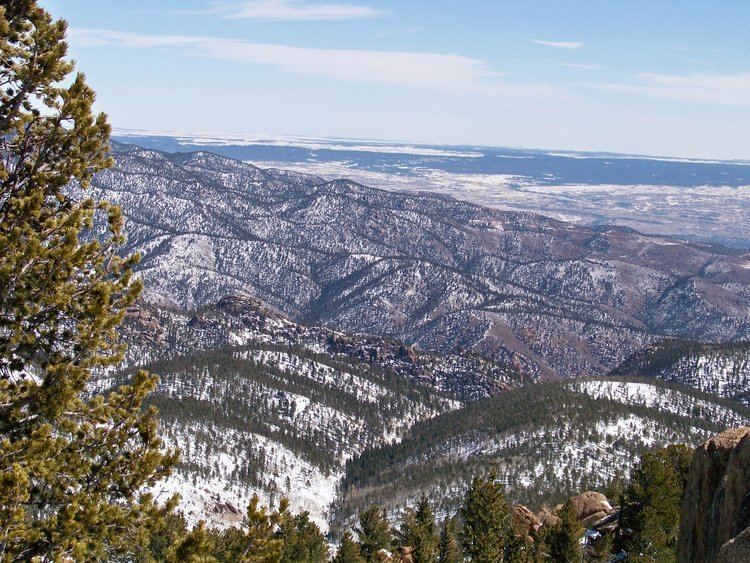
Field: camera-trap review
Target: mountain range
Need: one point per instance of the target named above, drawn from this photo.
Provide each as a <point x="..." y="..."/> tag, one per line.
<point x="341" y="344"/>
<point x="554" y="298"/>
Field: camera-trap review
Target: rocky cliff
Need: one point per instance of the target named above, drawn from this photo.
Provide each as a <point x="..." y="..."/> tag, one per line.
<point x="716" y="507"/>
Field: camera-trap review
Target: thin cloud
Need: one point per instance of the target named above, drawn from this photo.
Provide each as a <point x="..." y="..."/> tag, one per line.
<point x="571" y="45"/>
<point x="695" y="61"/>
<point x="582" y="66"/>
<point x="714" y="89"/>
<point x="290" y="10"/>
<point x="395" y="68"/>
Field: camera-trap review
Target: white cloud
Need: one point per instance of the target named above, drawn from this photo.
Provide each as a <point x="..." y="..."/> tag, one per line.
<point x="290" y="10"/>
<point x="559" y="44"/>
<point x="715" y="89"/>
<point x="396" y="68"/>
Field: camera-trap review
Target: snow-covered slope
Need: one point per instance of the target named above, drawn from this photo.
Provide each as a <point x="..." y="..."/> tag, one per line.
<point x="721" y="369"/>
<point x="553" y="297"/>
<point x="546" y="441"/>
<point x="260" y="404"/>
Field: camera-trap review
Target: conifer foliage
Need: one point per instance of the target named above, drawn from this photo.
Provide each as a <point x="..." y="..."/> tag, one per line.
<point x="489" y="533"/>
<point x="651" y="501"/>
<point x="449" y="548"/>
<point x="349" y="551"/>
<point x="72" y="465"/>
<point x="418" y="532"/>
<point x="561" y="540"/>
<point x="374" y="532"/>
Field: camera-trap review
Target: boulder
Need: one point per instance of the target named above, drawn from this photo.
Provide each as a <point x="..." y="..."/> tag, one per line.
<point x="589" y="503"/>
<point x="525" y="520"/>
<point x="383" y="555"/>
<point x="590" y="521"/>
<point x="735" y="550"/>
<point x="716" y="505"/>
<point x="547" y="518"/>
<point x="609" y="523"/>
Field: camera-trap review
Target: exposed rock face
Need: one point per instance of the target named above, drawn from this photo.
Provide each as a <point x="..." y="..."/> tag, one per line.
<point x="590" y="504"/>
<point x="716" y="507"/>
<point x="735" y="550"/>
<point x="547" y="518"/>
<point x="525" y="520"/>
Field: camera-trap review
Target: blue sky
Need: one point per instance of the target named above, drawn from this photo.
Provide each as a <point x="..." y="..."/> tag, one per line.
<point x="651" y="77"/>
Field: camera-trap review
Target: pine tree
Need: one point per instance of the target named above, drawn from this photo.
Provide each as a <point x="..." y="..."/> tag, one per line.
<point x="195" y="547"/>
<point x="349" y="551"/>
<point x="488" y="523"/>
<point x="301" y="539"/>
<point x="562" y="540"/>
<point x="449" y="550"/>
<point x="73" y="465"/>
<point x="263" y="544"/>
<point x="418" y="532"/>
<point x="374" y="532"/>
<point x="651" y="502"/>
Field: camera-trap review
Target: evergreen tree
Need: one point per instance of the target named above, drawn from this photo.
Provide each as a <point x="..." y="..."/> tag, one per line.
<point x="449" y="549"/>
<point x="301" y="539"/>
<point x="195" y="547"/>
<point x="374" y="532"/>
<point x="488" y="523"/>
<point x="263" y="544"/>
<point x="651" y="502"/>
<point x="73" y="465"/>
<point x="349" y="551"/>
<point x="165" y="534"/>
<point x="229" y="545"/>
<point x="418" y="532"/>
<point x="562" y="540"/>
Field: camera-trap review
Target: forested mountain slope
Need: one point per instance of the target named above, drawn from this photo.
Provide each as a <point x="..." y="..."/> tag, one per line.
<point x="719" y="368"/>
<point x="553" y="297"/>
<point x="259" y="403"/>
<point x="546" y="441"/>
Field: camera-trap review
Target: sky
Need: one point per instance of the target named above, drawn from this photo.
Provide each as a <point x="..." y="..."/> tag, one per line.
<point x="667" y="77"/>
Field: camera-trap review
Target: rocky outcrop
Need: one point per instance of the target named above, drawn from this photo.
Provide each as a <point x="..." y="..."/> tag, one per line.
<point x="590" y="507"/>
<point x="547" y="518"/>
<point x="525" y="520"/>
<point x="716" y="506"/>
<point x="735" y="550"/>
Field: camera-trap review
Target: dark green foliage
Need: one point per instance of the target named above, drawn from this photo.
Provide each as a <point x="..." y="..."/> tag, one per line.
<point x="374" y="532"/>
<point x="430" y="456"/>
<point x="267" y="536"/>
<point x="680" y="361"/>
<point x="614" y="488"/>
<point x="449" y="548"/>
<point x="194" y="547"/>
<point x="651" y="504"/>
<point x="349" y="551"/>
<point x="302" y="540"/>
<point x="73" y="466"/>
<point x="488" y="521"/>
<point x="561" y="541"/>
<point x="228" y="545"/>
<point x="165" y="534"/>
<point x="418" y="532"/>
